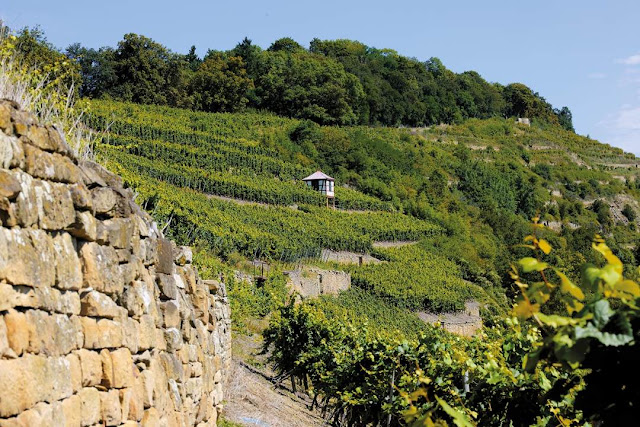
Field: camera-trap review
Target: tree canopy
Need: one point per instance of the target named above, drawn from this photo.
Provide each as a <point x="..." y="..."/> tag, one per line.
<point x="340" y="82"/>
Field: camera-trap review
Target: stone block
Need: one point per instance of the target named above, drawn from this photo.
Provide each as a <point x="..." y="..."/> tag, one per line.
<point x="110" y="407"/>
<point x="9" y="185"/>
<point x="137" y="299"/>
<point x="147" y="332"/>
<point x="68" y="268"/>
<point x="100" y="268"/>
<point x="118" y="368"/>
<point x="183" y="255"/>
<point x="84" y="227"/>
<point x="46" y="298"/>
<point x="96" y="304"/>
<point x="172" y="366"/>
<point x="75" y="368"/>
<point x="17" y="331"/>
<point x="165" y="257"/>
<point x="90" y="406"/>
<point x="72" y="411"/>
<point x="131" y="334"/>
<point x="118" y="232"/>
<point x="52" y="334"/>
<point x="5" y="117"/>
<point x="26" y="204"/>
<point x="104" y="201"/>
<point x="32" y="379"/>
<point x="171" y="313"/>
<point x="91" y="365"/>
<point x="167" y="285"/>
<point x="48" y="166"/>
<point x="4" y="340"/>
<point x="26" y="257"/>
<point x="104" y="333"/>
<point x="173" y="337"/>
<point x="55" y="207"/>
<point x="151" y="418"/>
<point x="81" y="196"/>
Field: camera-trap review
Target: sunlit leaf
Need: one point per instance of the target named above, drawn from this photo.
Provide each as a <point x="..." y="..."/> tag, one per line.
<point x="529" y="264"/>
<point x="544" y="246"/>
<point x="568" y="287"/>
<point x="555" y="320"/>
<point x="628" y="287"/>
<point x="459" y="418"/>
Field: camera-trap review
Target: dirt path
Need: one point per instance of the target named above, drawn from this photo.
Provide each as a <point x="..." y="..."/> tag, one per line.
<point x="396" y="244"/>
<point x="252" y="400"/>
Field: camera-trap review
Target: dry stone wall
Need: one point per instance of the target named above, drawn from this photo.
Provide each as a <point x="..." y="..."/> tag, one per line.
<point x="313" y="282"/>
<point x="102" y="320"/>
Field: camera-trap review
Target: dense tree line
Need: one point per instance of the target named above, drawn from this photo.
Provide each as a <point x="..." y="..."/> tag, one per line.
<point x="339" y="82"/>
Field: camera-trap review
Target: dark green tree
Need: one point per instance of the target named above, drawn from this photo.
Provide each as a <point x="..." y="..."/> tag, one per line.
<point x="220" y="84"/>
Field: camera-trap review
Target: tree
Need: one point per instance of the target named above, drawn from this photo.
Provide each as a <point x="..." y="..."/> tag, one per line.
<point x="286" y="44"/>
<point x="220" y="84"/>
<point x="565" y="118"/>
<point x="148" y="73"/>
<point x="97" y="68"/>
<point x="192" y="59"/>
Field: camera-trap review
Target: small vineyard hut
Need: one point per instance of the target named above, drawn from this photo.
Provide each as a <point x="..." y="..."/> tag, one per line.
<point x="324" y="184"/>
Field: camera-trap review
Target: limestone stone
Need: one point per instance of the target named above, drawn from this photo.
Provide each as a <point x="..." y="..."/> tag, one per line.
<point x="118" y="231"/>
<point x="11" y="152"/>
<point x="104" y="201"/>
<point x="131" y="334"/>
<point x="173" y="337"/>
<point x="171" y="312"/>
<point x="165" y="257"/>
<point x="38" y="136"/>
<point x="26" y="203"/>
<point x="55" y="207"/>
<point x="151" y="418"/>
<point x="5" y="118"/>
<point x="91" y="366"/>
<point x="76" y="371"/>
<point x="53" y="167"/>
<point x="183" y="255"/>
<point x="96" y="304"/>
<point x="26" y="257"/>
<point x="104" y="333"/>
<point x="172" y="366"/>
<point x="111" y="411"/>
<point x="9" y="185"/>
<point x="90" y="406"/>
<point x="53" y="334"/>
<point x="72" y="410"/>
<point x="81" y="196"/>
<point x="168" y="287"/>
<point x="100" y="268"/>
<point x="117" y="368"/>
<point x="17" y="331"/>
<point x="8" y="213"/>
<point x="84" y="226"/>
<point x="137" y="299"/>
<point x="4" y="340"/>
<point x="68" y="269"/>
<point x="31" y="379"/>
<point x="148" y="382"/>
<point x="147" y="332"/>
<point x="136" y="402"/>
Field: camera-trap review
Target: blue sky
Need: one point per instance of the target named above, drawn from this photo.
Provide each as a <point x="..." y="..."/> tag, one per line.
<point x="583" y="54"/>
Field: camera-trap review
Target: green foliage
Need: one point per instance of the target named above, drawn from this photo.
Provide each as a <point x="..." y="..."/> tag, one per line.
<point x="599" y="330"/>
<point x="220" y="84"/>
<point x="417" y="280"/>
<point x="333" y="82"/>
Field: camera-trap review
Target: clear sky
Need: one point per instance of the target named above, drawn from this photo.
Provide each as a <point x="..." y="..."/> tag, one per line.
<point x="583" y="54"/>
